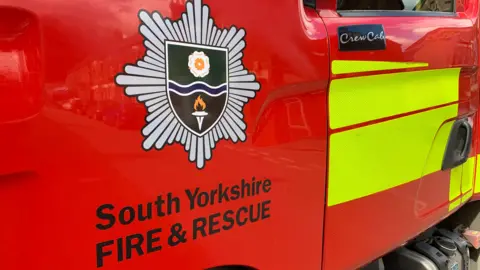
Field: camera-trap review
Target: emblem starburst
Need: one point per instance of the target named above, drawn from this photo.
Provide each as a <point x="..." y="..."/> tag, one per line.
<point x="147" y="81"/>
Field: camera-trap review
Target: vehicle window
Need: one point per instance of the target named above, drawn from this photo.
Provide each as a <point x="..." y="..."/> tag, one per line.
<point x="405" y="5"/>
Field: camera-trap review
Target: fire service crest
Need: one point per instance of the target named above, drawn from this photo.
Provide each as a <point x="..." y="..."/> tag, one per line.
<point x="192" y="82"/>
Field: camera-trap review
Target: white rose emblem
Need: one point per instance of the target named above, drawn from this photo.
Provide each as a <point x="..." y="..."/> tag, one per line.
<point x="199" y="64"/>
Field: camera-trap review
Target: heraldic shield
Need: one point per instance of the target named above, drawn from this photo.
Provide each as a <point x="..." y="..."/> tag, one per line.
<point x="197" y="80"/>
<point x="192" y="81"/>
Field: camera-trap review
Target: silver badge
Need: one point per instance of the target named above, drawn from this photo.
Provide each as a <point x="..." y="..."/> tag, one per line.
<point x="192" y="82"/>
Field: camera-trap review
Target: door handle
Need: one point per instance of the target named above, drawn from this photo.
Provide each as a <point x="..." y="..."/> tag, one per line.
<point x="459" y="144"/>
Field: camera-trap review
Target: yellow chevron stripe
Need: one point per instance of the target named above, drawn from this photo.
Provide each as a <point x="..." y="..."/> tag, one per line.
<point x="467" y="176"/>
<point x="381" y="156"/>
<point x="361" y="99"/>
<point x="467" y="196"/>
<point x="455" y="182"/>
<point x="454" y="204"/>
<point x="477" y="176"/>
<point x="461" y="183"/>
<point x="349" y="66"/>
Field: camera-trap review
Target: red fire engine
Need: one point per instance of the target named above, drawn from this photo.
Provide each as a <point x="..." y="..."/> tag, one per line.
<point x="236" y="135"/>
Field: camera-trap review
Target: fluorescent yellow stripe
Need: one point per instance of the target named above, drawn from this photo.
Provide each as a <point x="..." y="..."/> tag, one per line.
<point x="378" y="157"/>
<point x="348" y="66"/>
<point x="435" y="158"/>
<point x="467" y="176"/>
<point x="467" y="196"/>
<point x="461" y="181"/>
<point x="454" y="204"/>
<point x="455" y="182"/>
<point x="477" y="176"/>
<point x="360" y="99"/>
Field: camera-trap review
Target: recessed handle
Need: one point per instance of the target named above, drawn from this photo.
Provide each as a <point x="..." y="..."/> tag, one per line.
<point x="459" y="144"/>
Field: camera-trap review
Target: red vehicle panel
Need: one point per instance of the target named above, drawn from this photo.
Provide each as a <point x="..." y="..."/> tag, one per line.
<point x="81" y="166"/>
<point x="442" y="42"/>
<point x="181" y="134"/>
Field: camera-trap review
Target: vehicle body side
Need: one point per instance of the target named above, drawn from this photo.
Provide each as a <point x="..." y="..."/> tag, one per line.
<point x="73" y="157"/>
<point x="78" y="165"/>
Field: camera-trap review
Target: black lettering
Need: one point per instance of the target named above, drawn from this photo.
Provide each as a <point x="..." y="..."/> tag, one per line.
<point x="130" y="245"/>
<point x="223" y="194"/>
<point x="159" y="203"/>
<point x="131" y="215"/>
<point x="105" y="216"/>
<point x="267" y="185"/>
<point x="239" y="211"/>
<point x="266" y="209"/>
<point x="120" y="249"/>
<point x="235" y="192"/>
<point x="151" y="240"/>
<point x="246" y="186"/>
<point x="213" y="222"/>
<point x="257" y="187"/>
<point x="191" y="197"/>
<point x="148" y="215"/>
<point x="227" y="217"/>
<point x="172" y="202"/>
<point x="212" y="196"/>
<point x="101" y="253"/>
<point x="199" y="228"/>
<point x="205" y="200"/>
<point x="253" y="217"/>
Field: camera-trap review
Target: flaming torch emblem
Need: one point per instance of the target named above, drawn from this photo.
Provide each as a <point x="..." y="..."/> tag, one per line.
<point x="199" y="111"/>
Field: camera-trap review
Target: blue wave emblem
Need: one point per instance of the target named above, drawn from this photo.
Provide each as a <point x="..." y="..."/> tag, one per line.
<point x="185" y="90"/>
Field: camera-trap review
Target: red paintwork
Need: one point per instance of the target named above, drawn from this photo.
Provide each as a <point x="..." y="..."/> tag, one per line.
<point x="396" y="215"/>
<point x="64" y="153"/>
<point x="473" y="9"/>
<point x="77" y="163"/>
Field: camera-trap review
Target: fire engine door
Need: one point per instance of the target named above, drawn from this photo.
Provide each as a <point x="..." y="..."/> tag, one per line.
<point x="399" y="82"/>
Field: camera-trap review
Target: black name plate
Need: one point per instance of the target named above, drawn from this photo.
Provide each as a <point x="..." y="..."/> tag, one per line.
<point x="365" y="37"/>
